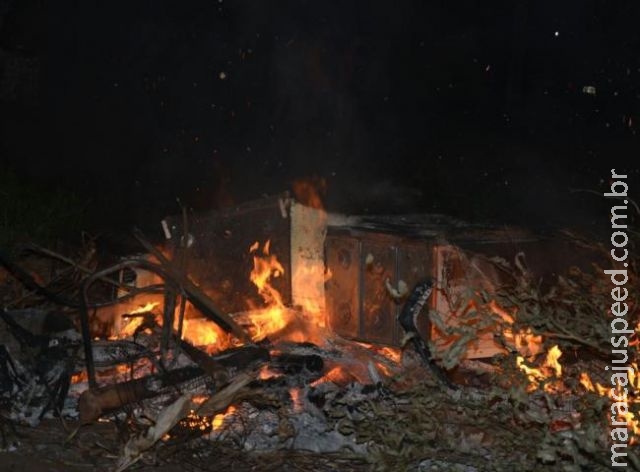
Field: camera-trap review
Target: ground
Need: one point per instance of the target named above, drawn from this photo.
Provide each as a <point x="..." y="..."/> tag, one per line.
<point x="95" y="447"/>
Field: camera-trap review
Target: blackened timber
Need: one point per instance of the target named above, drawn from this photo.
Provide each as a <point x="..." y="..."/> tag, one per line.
<point x="167" y="319"/>
<point x="85" y="306"/>
<point x="196" y="296"/>
<point x="30" y="283"/>
<point x="296" y="363"/>
<point x="213" y="368"/>
<point x="242" y="357"/>
<point x="95" y="402"/>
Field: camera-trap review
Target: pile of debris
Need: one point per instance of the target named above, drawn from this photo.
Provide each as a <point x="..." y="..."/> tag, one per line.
<point x="187" y="382"/>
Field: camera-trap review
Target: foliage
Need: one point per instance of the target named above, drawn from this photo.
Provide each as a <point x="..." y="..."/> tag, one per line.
<point x="29" y="212"/>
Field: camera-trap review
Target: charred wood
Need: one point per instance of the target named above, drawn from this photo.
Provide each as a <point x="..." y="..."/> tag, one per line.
<point x="25" y="338"/>
<point x="196" y="296"/>
<point x="109" y="353"/>
<point x="211" y="367"/>
<point x="242" y="357"/>
<point x="95" y="402"/>
<point x="30" y="283"/>
<point x="294" y="364"/>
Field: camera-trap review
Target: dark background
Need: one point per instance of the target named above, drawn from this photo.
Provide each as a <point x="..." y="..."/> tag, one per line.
<point x="471" y="108"/>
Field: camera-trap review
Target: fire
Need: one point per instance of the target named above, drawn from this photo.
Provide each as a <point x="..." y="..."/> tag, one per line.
<point x="199" y="399"/>
<point x="311" y="278"/>
<point x="126" y="327"/>
<point x="393" y="354"/>
<point x="205" y="423"/>
<point x="502" y="312"/>
<point x="551" y="369"/>
<point x="309" y="191"/>
<point x="525" y="341"/>
<point x="385" y="370"/>
<point x="197" y="422"/>
<point x="80" y="377"/>
<point x="552" y="360"/>
<point x="266" y="373"/>
<point x="202" y="332"/>
<point x="309" y="272"/>
<point x="266" y="266"/>
<point x="586" y="382"/>
<point x="218" y="420"/>
<point x="145" y="308"/>
<point x="337" y="375"/>
<point x="633" y="423"/>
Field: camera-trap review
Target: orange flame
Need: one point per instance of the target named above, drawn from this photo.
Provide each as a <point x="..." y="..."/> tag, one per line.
<point x="265" y="266"/>
<point x="309" y="191"/>
<point x="552" y="360"/>
<point x="134" y="323"/>
<point x="202" y="332"/>
<point x="144" y="308"/>
<point x="551" y="369"/>
<point x="393" y="354"/>
<point x="218" y="420"/>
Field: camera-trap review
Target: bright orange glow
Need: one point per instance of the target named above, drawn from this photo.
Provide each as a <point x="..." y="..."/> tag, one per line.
<point x="633" y="423"/>
<point x="80" y="377"/>
<point x="393" y="354"/>
<point x="275" y="316"/>
<point x="309" y="191"/>
<point x="199" y="399"/>
<point x="552" y="360"/>
<point x="502" y="312"/>
<point x="384" y="369"/>
<point x="634" y="380"/>
<point x="586" y="382"/>
<point x="129" y="325"/>
<point x="195" y="421"/>
<point x="126" y="326"/>
<point x="218" y="420"/>
<point x="266" y="373"/>
<point x="296" y="399"/>
<point x="527" y="343"/>
<point x="311" y="278"/>
<point x="551" y="369"/>
<point x="336" y="375"/>
<point x="202" y="332"/>
<point x="144" y="308"/>
<point x="533" y="374"/>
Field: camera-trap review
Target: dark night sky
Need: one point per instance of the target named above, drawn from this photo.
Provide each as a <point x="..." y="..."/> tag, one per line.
<point x="471" y="108"/>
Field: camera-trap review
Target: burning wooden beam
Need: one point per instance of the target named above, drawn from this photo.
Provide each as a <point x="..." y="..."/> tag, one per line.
<point x="196" y="296"/>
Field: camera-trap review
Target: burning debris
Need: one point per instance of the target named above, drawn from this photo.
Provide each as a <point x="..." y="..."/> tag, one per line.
<point x="386" y="343"/>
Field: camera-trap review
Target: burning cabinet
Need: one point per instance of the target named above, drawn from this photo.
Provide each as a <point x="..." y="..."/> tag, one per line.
<point x="354" y="273"/>
<point x="367" y="265"/>
<point x="362" y="267"/>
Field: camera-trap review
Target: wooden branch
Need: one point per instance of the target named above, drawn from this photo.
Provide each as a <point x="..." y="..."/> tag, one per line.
<point x="221" y="400"/>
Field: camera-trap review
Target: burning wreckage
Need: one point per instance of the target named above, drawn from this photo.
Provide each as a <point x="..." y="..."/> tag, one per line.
<point x="275" y="334"/>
